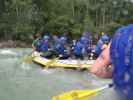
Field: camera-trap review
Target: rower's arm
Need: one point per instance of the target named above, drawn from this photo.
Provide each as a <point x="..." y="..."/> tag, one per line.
<point x="101" y="66"/>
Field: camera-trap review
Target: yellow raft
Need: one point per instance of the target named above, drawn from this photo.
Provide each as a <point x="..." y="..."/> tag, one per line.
<point x="69" y="63"/>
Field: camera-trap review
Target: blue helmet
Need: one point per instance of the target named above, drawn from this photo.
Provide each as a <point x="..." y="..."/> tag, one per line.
<point x="105" y="38"/>
<point x="63" y="39"/>
<point x="121" y="54"/>
<point x="86" y="34"/>
<point x="84" y="40"/>
<point x="56" y="39"/>
<point x="46" y="37"/>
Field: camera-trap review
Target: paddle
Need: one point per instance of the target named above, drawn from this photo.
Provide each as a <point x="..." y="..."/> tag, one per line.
<point x="28" y="58"/>
<point x="50" y="62"/>
<point x="80" y="94"/>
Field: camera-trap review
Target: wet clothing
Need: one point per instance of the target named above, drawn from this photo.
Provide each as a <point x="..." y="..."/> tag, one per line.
<point x="121" y="54"/>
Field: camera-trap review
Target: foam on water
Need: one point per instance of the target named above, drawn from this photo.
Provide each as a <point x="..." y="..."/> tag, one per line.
<point x="7" y="52"/>
<point x="25" y="66"/>
<point x="48" y="71"/>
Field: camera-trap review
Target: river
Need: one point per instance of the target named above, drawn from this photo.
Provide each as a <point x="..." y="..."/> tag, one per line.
<point x="28" y="81"/>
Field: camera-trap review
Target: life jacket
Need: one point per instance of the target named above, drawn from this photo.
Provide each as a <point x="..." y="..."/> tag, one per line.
<point x="44" y="45"/>
<point x="78" y="48"/>
<point x="104" y="39"/>
<point x="121" y="54"/>
<point x="59" y="48"/>
<point x="84" y="40"/>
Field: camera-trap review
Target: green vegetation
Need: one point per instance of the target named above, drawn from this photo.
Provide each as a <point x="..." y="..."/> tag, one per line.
<point x="19" y="19"/>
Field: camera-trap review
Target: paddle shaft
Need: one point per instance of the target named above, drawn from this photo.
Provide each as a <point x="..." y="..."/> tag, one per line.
<point x="95" y="91"/>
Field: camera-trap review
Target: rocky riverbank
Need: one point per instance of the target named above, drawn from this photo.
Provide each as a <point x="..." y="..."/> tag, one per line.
<point x="14" y="44"/>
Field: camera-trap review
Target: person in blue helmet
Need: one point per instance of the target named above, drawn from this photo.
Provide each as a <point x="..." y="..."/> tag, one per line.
<point x="102" y="42"/>
<point x="60" y="48"/>
<point x="45" y="46"/>
<point x="45" y="43"/>
<point x="52" y="47"/>
<point x="120" y="54"/>
<point x="48" y="48"/>
<point x="63" y="39"/>
<point x="78" y="49"/>
<point x="86" y="41"/>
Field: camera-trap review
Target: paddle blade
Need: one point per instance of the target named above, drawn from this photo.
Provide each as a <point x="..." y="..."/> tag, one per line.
<point x="28" y="58"/>
<point x="72" y="95"/>
<point x="80" y="94"/>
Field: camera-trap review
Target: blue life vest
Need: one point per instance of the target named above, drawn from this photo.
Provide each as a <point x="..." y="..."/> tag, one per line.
<point x="121" y="54"/>
<point x="84" y="40"/>
<point x="78" y="48"/>
<point x="59" y="44"/>
<point x="59" y="48"/>
<point x="98" y="48"/>
<point x="44" y="45"/>
<point x="104" y="39"/>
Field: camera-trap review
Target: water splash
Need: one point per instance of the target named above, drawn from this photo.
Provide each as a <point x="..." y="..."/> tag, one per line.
<point x="8" y="52"/>
<point x="48" y="71"/>
<point x="25" y="66"/>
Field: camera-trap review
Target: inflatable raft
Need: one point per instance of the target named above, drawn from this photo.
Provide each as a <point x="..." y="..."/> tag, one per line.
<point x="69" y="63"/>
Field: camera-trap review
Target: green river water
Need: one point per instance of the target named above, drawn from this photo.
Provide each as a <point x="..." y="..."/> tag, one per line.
<point x="29" y="81"/>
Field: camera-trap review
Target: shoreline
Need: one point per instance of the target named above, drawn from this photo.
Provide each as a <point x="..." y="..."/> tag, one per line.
<point x="14" y="44"/>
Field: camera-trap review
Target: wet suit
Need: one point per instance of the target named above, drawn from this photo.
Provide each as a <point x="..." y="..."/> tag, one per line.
<point x="121" y="54"/>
